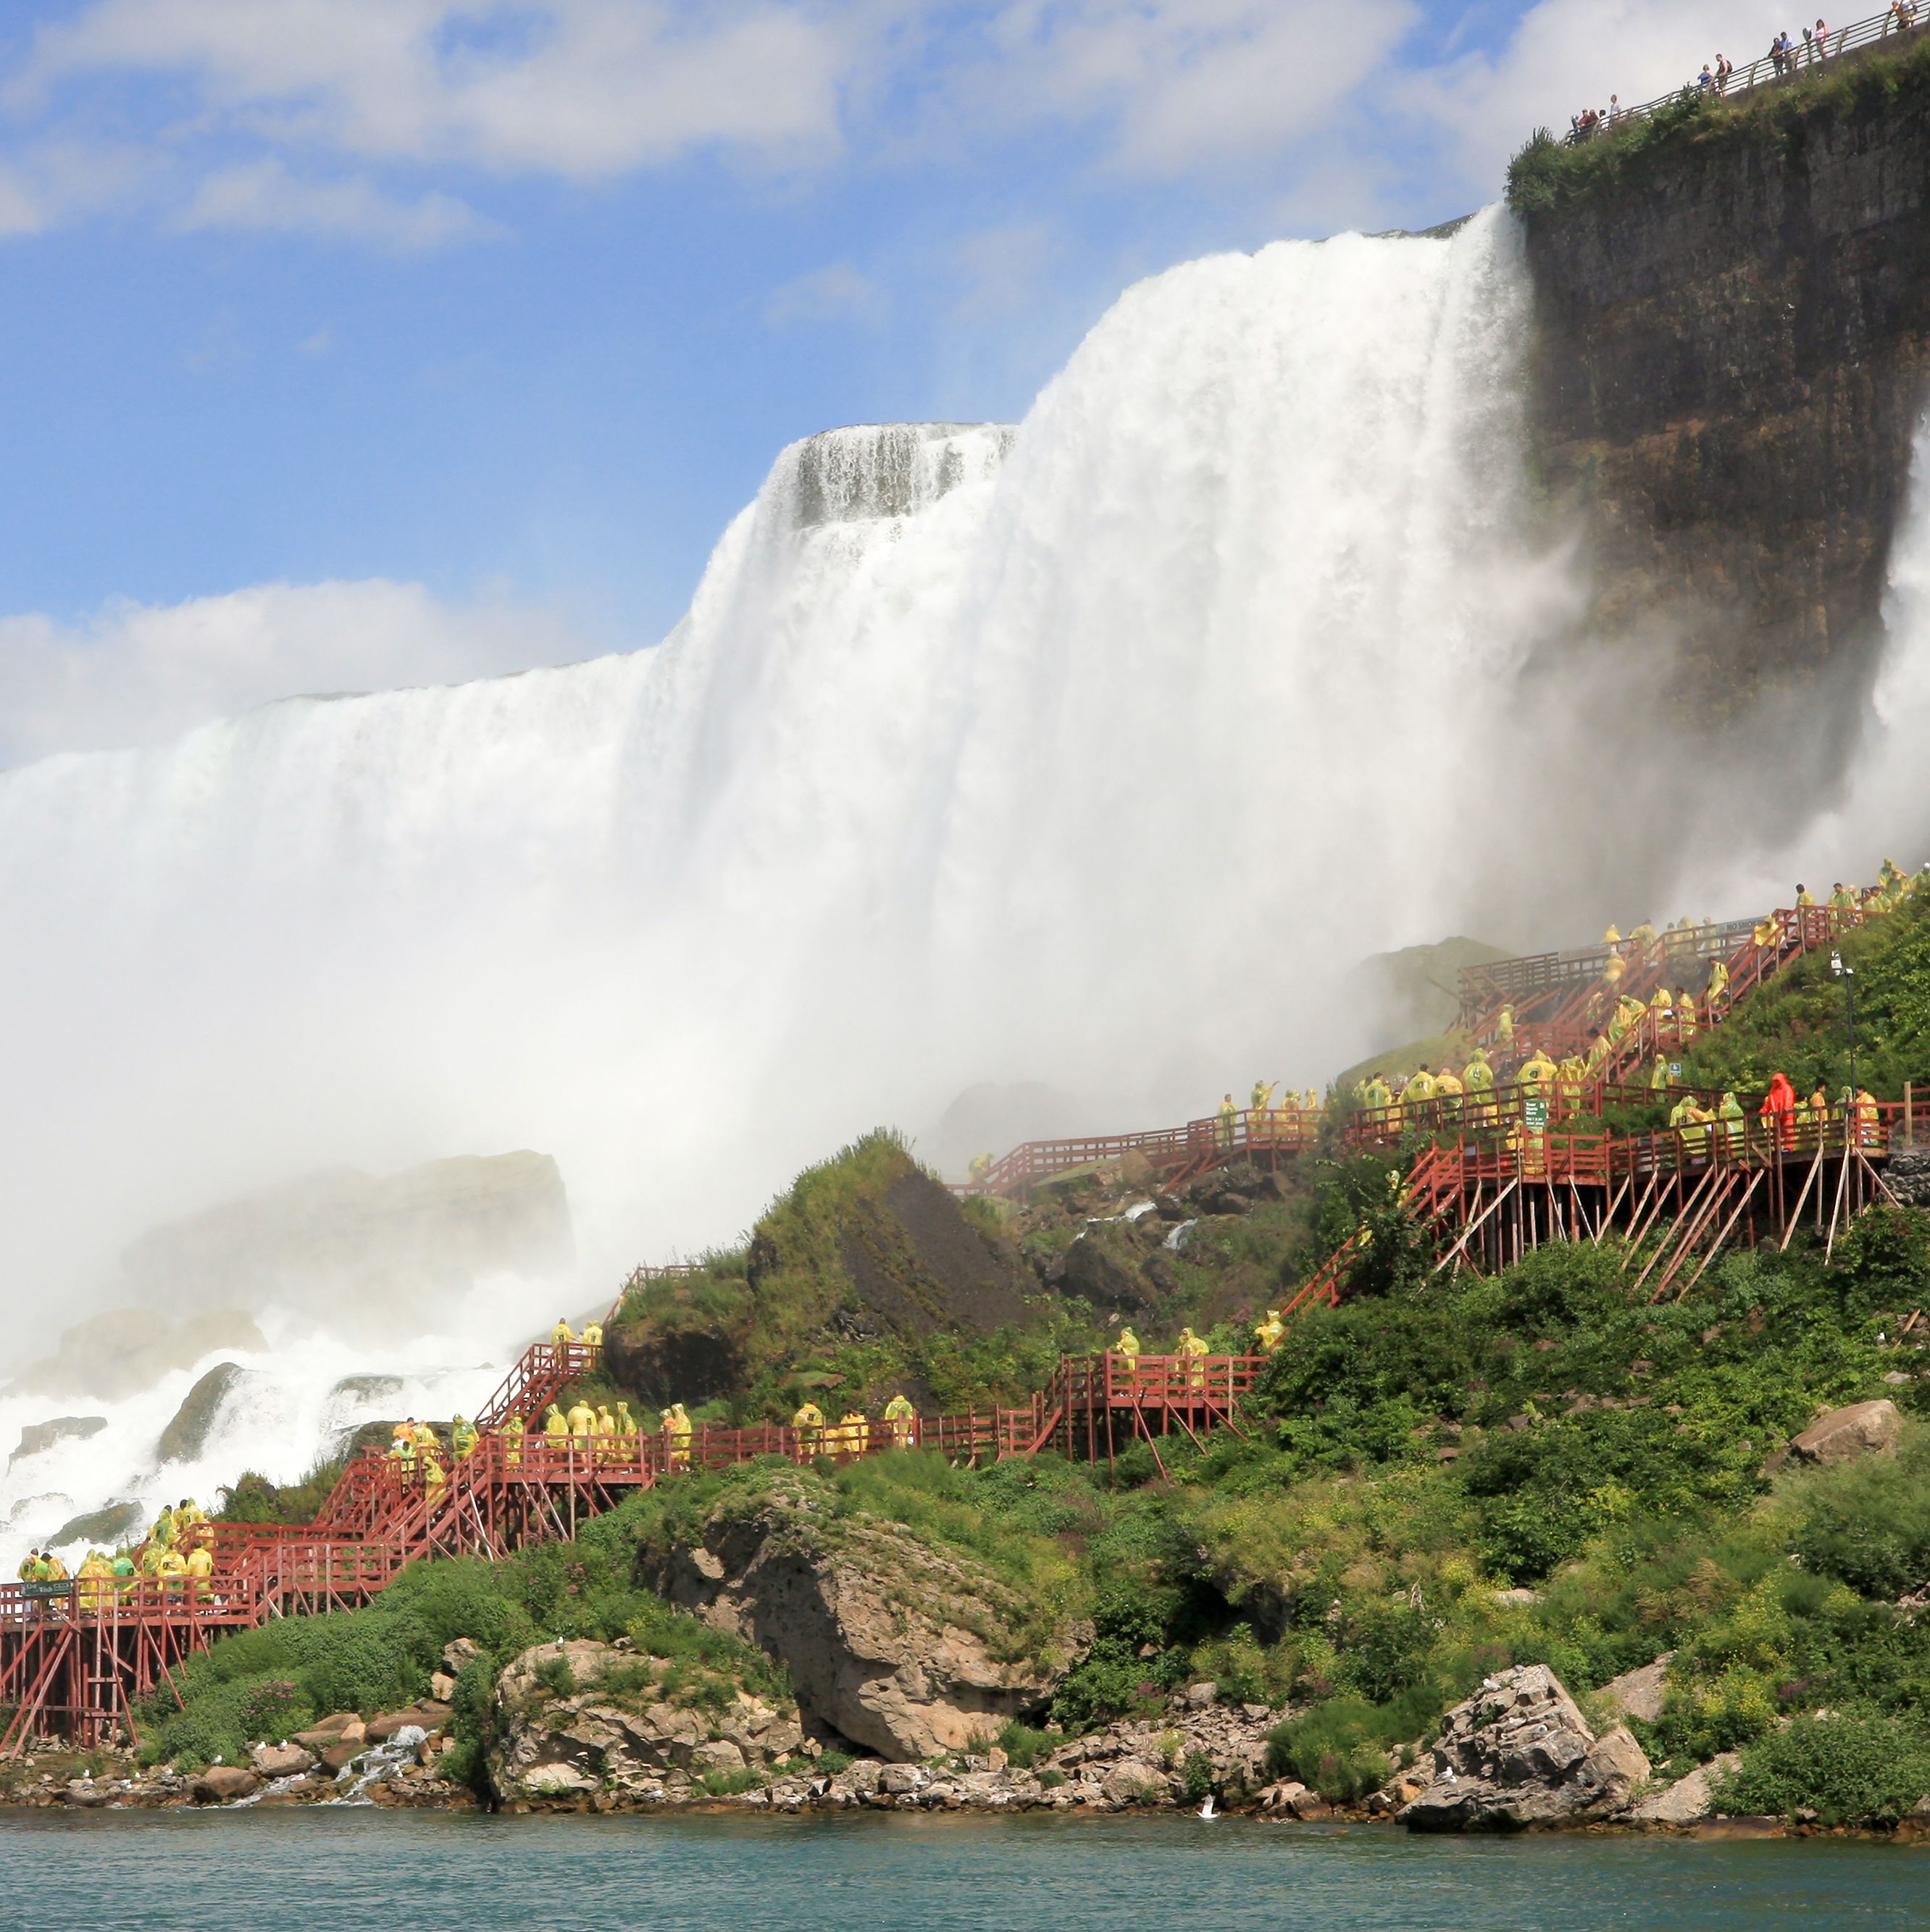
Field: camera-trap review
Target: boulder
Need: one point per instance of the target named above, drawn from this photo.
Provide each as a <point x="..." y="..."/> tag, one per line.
<point x="115" y="1522"/>
<point x="1233" y="1188"/>
<point x="86" y="1793"/>
<point x="1087" y="1269"/>
<point x="1908" y="1176"/>
<point x="905" y="1648"/>
<point x="186" y="1433"/>
<point x="343" y="1726"/>
<point x="36" y="1436"/>
<point x="281" y="1760"/>
<point x="620" y="1730"/>
<point x="1133" y="1781"/>
<point x="338" y="1756"/>
<point x="1519" y="1752"/>
<point x="222" y="1783"/>
<point x="124" y="1351"/>
<point x="424" y="1716"/>
<point x="1863" y="1429"/>
<point x="1688" y="1800"/>
<point x="1639" y="1692"/>
<point x="373" y="1257"/>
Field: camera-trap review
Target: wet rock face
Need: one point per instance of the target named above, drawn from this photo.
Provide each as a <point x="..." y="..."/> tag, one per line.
<point x="902" y="1649"/>
<point x="38" y="1435"/>
<point x="619" y="1732"/>
<point x="186" y="1435"/>
<point x="1519" y="1752"/>
<point x="1733" y="340"/>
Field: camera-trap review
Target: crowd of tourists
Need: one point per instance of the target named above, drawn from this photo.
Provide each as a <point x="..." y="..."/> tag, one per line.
<point x="178" y="1552"/>
<point x="1786" y="57"/>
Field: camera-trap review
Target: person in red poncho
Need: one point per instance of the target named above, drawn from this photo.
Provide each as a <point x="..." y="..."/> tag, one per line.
<point x="1779" y="1110"/>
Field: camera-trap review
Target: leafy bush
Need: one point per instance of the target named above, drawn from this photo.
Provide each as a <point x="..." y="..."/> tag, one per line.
<point x="1196" y="1774"/>
<point x="1868" y="1522"/>
<point x="1849" y="1770"/>
<point x="1341" y="1748"/>
<point x="1023" y="1746"/>
<point x="1114" y="1680"/>
<point x="553" y="1674"/>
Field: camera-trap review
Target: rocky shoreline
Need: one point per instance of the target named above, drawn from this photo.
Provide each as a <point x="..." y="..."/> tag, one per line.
<point x="1518" y="1755"/>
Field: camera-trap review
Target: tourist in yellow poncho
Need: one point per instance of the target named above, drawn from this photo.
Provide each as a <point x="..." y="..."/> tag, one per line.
<point x="1193" y="1351"/>
<point x="200" y="1561"/>
<point x="904" y="1420"/>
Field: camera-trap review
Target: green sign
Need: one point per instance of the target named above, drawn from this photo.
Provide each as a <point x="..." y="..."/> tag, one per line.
<point x="1535" y="1116"/>
<point x="43" y="1593"/>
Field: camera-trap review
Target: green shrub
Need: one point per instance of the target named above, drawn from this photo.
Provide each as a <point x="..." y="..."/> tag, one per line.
<point x="729" y="1783"/>
<point x="1023" y="1746"/>
<point x="1196" y="1773"/>
<point x="1341" y="1747"/>
<point x="1849" y="1770"/>
<point x="1868" y="1522"/>
<point x="553" y="1674"/>
<point x="831" y="1763"/>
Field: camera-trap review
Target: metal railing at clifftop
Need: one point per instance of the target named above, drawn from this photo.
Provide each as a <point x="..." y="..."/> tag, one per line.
<point x="1803" y="59"/>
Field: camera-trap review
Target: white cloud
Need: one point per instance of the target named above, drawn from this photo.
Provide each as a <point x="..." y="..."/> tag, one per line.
<point x="577" y="87"/>
<point x="141" y="673"/>
<point x="1191" y="82"/>
<point x="1567" y="55"/>
<point x="262" y="195"/>
<point x="837" y="293"/>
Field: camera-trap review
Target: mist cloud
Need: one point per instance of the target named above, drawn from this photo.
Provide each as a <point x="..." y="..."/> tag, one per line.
<point x="140" y="674"/>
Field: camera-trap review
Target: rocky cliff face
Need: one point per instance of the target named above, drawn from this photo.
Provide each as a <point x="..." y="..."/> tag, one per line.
<point x="905" y="1649"/>
<point x="1733" y="335"/>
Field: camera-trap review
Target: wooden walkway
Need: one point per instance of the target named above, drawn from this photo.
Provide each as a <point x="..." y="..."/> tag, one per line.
<point x="77" y="1658"/>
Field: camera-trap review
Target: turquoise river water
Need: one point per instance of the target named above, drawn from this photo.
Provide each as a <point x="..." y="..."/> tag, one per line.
<point x="405" y="1872"/>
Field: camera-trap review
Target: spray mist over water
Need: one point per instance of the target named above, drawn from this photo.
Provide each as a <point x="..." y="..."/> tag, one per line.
<point x="981" y="754"/>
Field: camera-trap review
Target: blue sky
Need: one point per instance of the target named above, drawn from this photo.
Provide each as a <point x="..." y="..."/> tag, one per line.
<point x="507" y="304"/>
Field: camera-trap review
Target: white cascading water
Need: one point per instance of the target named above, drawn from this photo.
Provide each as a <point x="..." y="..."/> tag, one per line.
<point x="1091" y="753"/>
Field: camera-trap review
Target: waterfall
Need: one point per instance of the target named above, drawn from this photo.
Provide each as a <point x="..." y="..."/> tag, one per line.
<point x="1092" y="752"/>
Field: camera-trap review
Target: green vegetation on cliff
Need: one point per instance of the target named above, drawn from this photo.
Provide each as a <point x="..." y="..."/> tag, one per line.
<point x="1546" y="175"/>
<point x="1799" y="1023"/>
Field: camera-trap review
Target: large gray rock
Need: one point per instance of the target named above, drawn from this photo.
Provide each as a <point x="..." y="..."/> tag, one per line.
<point x="369" y="1258"/>
<point x="113" y="1522"/>
<point x="621" y="1729"/>
<point x="125" y="1350"/>
<point x="904" y="1648"/>
<point x="186" y="1433"/>
<point x="1688" y="1800"/>
<point x="222" y="1783"/>
<point x="1907" y="1175"/>
<point x="1520" y="1753"/>
<point x="1639" y="1692"/>
<point x="1086" y="1269"/>
<point x="37" y="1436"/>
<point x="1863" y="1429"/>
